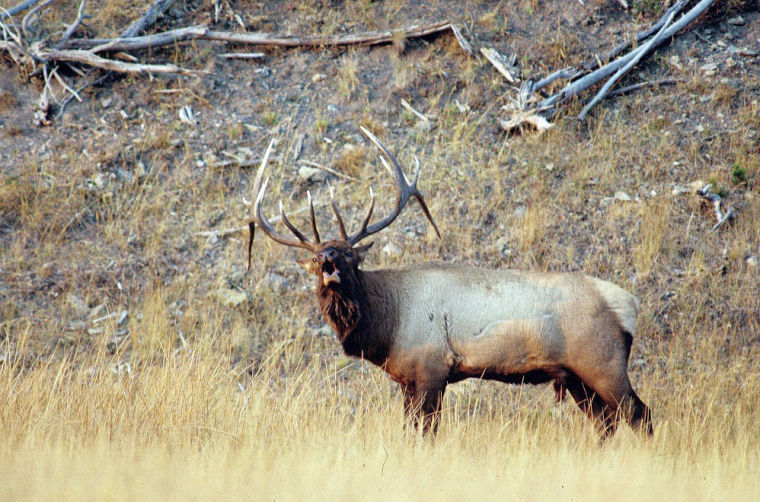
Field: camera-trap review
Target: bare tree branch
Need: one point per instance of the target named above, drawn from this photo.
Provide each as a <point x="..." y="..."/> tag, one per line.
<point x="27" y="19"/>
<point x="136" y="43"/>
<point x="157" y="8"/>
<point x="18" y="8"/>
<point x="90" y="59"/>
<point x="71" y="29"/>
<point x="254" y="38"/>
<point x="592" y="78"/>
<point x="633" y="87"/>
<point x="640" y="53"/>
<point x="362" y="38"/>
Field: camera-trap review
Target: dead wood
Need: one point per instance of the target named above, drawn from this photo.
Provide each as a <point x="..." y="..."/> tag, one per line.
<point x="157" y="8"/>
<point x="136" y="43"/>
<point x="550" y="105"/>
<point x="26" y="21"/>
<point x="241" y="55"/>
<point x="72" y="28"/>
<point x="635" y="87"/>
<point x="502" y="64"/>
<point x="18" y="9"/>
<point x="90" y="59"/>
<point x="729" y="215"/>
<point x="364" y="38"/>
<point x="260" y="38"/>
<point x="642" y="35"/>
<point x="639" y="53"/>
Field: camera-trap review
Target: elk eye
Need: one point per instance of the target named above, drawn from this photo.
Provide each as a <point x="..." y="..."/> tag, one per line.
<point x="314" y="260"/>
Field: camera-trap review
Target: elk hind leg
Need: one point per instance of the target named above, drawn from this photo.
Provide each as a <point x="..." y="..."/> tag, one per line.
<point x="590" y="403"/>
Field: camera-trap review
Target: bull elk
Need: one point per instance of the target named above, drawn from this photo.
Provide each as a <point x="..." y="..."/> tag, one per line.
<point x="432" y="324"/>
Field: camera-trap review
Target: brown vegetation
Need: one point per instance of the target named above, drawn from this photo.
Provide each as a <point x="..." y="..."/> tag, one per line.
<point x="217" y="381"/>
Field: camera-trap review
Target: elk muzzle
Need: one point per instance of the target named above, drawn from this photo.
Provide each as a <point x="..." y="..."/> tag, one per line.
<point x="329" y="273"/>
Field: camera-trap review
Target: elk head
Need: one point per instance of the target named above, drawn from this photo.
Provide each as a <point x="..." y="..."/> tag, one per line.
<point x="335" y="263"/>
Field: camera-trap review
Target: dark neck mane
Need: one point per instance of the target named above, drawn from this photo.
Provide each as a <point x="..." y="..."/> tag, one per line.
<point x="349" y="313"/>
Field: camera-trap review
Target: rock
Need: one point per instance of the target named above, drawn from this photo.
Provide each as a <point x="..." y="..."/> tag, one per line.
<point x="275" y="282"/>
<point x="752" y="261"/>
<point x="100" y="180"/>
<point x="637" y="363"/>
<point x="140" y="171"/>
<point x="97" y="311"/>
<point x="619" y="195"/>
<point x="696" y="185"/>
<point x="391" y="249"/>
<point x="325" y="331"/>
<point x="231" y="297"/>
<point x="705" y="99"/>
<point x="106" y="102"/>
<point x="110" y="316"/>
<point x="77" y="304"/>
<point x="311" y="174"/>
<point x="501" y="247"/>
<point x="318" y="77"/>
<point x="680" y="190"/>
<point x="709" y="67"/>
<point x="423" y="125"/>
<point x="736" y="21"/>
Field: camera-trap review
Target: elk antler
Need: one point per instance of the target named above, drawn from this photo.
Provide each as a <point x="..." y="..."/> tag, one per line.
<point x="405" y="191"/>
<point x="261" y="220"/>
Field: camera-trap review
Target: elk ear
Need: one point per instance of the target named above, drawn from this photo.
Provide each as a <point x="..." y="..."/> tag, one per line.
<point x="361" y="251"/>
<point x="309" y="264"/>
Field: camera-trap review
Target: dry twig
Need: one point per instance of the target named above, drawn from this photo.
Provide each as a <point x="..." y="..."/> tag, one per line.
<point x="717" y="201"/>
<point x="502" y="64"/>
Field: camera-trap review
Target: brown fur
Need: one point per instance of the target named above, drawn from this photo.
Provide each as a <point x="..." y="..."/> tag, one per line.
<point x="581" y="341"/>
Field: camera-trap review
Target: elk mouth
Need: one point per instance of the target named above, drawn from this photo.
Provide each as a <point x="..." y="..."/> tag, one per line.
<point x="330" y="274"/>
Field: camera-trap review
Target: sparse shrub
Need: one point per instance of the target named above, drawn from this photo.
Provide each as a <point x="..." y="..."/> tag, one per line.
<point x="725" y="94"/>
<point x="351" y="160"/>
<point x="270" y="118"/>
<point x="738" y="174"/>
<point x="320" y="126"/>
<point x="347" y="77"/>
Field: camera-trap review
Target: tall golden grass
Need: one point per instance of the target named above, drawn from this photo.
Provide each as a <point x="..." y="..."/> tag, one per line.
<point x="181" y="424"/>
<point x="197" y="400"/>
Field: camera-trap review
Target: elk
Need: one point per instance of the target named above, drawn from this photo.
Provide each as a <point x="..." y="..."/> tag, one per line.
<point x="433" y="324"/>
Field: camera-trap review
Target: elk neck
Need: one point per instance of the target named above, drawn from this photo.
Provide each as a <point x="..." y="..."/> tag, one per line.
<point x="352" y="314"/>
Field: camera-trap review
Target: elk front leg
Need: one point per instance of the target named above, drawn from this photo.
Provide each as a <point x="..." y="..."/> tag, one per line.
<point x="422" y="404"/>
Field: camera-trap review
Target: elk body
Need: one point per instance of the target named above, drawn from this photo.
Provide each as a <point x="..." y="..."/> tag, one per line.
<point x="434" y="324"/>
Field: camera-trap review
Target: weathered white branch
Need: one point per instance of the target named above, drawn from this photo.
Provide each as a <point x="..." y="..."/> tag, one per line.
<point x="640" y="53"/>
<point x="90" y="59"/>
<point x="592" y="78"/>
<point x="71" y="29"/>
<point x="18" y="8"/>
<point x="148" y="18"/>
<point x="496" y="59"/>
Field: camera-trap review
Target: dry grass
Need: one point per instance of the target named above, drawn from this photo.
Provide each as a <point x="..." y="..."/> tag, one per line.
<point x="190" y="397"/>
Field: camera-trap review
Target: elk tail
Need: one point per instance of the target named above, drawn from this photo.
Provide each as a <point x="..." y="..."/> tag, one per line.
<point x="621" y="302"/>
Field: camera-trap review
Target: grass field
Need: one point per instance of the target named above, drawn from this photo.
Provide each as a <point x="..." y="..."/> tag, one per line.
<point x="139" y="359"/>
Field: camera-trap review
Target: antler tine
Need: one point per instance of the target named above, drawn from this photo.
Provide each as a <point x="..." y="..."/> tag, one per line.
<point x="369" y="212"/>
<point x="290" y="226"/>
<point x="313" y="220"/>
<point x="261" y="220"/>
<point x="341" y="226"/>
<point x="405" y="191"/>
